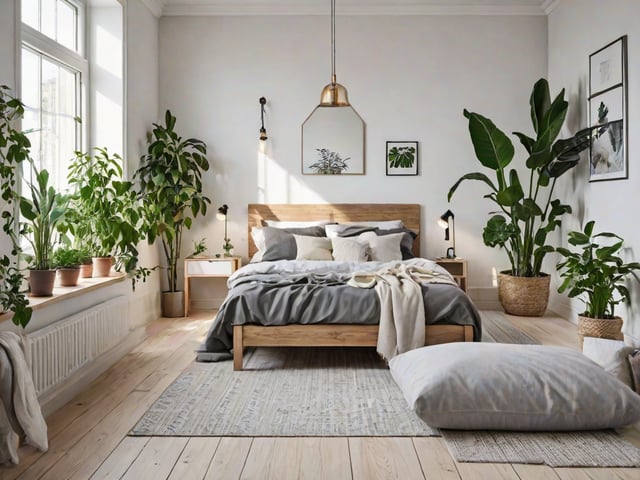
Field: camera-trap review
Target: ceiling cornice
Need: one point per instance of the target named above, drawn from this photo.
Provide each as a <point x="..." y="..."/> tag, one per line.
<point x="155" y="6"/>
<point x="222" y="8"/>
<point x="549" y="6"/>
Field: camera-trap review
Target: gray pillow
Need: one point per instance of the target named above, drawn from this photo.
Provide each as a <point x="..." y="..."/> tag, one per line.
<point x="494" y="386"/>
<point x="280" y="243"/>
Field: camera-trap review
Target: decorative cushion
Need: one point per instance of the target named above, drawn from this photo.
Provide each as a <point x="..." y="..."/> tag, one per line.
<point x="382" y="249"/>
<point x="349" y="250"/>
<point x="406" y="245"/>
<point x="278" y="243"/>
<point x="494" y="386"/>
<point x="612" y="355"/>
<point x="313" y="248"/>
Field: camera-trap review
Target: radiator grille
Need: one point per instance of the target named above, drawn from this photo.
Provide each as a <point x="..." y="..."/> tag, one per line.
<point x="60" y="349"/>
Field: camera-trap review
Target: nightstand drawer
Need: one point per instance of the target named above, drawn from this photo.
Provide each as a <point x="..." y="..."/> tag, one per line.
<point x="211" y="267"/>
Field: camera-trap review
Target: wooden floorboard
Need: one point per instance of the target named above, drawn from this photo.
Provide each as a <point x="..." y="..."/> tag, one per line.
<point x="87" y="437"/>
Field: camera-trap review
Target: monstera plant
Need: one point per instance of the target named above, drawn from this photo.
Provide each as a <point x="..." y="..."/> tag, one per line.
<point x="527" y="211"/>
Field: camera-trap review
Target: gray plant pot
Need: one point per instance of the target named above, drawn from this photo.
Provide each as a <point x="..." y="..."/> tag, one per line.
<point x="172" y="304"/>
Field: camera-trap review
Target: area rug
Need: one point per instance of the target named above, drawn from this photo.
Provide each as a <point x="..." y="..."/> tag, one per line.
<point x="285" y="392"/>
<point x="555" y="449"/>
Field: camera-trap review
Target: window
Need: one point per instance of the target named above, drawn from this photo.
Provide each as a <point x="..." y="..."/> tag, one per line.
<point x="54" y="74"/>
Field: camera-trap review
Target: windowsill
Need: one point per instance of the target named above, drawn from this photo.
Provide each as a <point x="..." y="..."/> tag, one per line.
<point x="85" y="285"/>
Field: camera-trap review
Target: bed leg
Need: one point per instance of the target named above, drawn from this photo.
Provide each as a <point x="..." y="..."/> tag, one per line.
<point x="468" y="333"/>
<point x="237" y="347"/>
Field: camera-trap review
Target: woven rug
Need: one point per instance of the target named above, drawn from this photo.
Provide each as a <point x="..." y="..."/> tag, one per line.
<point x="555" y="449"/>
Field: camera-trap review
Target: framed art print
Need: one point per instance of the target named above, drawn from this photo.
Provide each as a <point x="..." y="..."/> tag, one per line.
<point x="402" y="158"/>
<point x="608" y="156"/>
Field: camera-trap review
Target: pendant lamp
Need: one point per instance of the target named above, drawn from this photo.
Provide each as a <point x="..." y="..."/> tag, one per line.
<point x="334" y="94"/>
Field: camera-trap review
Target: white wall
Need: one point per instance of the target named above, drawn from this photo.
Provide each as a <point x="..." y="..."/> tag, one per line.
<point x="578" y="28"/>
<point x="409" y="77"/>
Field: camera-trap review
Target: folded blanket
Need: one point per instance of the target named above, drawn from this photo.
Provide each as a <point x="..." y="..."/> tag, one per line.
<point x="402" y="316"/>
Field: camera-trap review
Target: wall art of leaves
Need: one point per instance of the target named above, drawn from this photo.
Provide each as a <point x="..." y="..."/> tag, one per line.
<point x="402" y="157"/>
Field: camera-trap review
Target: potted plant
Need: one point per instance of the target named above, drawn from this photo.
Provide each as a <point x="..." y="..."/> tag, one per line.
<point x="14" y="149"/>
<point x="170" y="180"/>
<point x="199" y="248"/>
<point x="597" y="274"/>
<point x="104" y="217"/>
<point x="66" y="261"/>
<point x="42" y="210"/>
<point x="527" y="211"/>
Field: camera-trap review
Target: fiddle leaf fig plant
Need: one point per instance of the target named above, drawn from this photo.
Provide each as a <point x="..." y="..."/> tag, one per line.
<point x="527" y="210"/>
<point x="14" y="150"/>
<point x="596" y="272"/>
<point x="170" y="180"/>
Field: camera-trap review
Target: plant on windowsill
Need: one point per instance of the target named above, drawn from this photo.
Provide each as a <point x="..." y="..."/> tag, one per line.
<point x="66" y="261"/>
<point x="41" y="211"/>
<point x="527" y="212"/>
<point x="597" y="274"/>
<point x="105" y="214"/>
<point x="14" y="149"/>
<point x="170" y="180"/>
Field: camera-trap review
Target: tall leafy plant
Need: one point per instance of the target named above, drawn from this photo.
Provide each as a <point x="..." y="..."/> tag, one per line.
<point x="14" y="149"/>
<point x="170" y="180"/>
<point x="527" y="211"/>
<point x="597" y="273"/>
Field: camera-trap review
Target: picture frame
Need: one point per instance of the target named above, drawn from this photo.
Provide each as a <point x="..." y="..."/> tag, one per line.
<point x="608" y="154"/>
<point x="402" y="158"/>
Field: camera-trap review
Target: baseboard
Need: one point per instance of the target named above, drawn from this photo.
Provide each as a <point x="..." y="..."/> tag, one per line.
<point x="208" y="304"/>
<point x="60" y="395"/>
<point x="485" y="298"/>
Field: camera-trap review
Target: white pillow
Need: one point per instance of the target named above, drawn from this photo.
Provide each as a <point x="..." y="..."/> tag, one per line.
<point x="496" y="386"/>
<point x="384" y="248"/>
<point x="313" y="248"/>
<point x="349" y="250"/>
<point x="258" y="239"/>
<point x="334" y="229"/>
<point x="382" y="225"/>
<point x="294" y="224"/>
<point x="612" y="355"/>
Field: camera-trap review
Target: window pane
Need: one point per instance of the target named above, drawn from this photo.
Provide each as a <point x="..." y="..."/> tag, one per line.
<point x="66" y="28"/>
<point x="30" y="13"/>
<point x="48" y="18"/>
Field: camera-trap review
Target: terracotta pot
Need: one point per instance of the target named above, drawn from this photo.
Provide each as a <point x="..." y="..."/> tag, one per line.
<point x="102" y="266"/>
<point x="69" y="276"/>
<point x="41" y="282"/>
<point x="610" y="328"/>
<point x="523" y="296"/>
<point x="172" y="304"/>
<point x="86" y="270"/>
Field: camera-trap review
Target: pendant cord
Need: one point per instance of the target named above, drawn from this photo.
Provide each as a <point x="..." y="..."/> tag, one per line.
<point x="333" y="41"/>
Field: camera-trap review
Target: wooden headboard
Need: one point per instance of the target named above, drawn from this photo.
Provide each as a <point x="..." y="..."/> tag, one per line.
<point x="409" y="213"/>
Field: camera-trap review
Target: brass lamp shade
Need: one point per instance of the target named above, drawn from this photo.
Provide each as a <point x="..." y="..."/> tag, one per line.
<point x="334" y="95"/>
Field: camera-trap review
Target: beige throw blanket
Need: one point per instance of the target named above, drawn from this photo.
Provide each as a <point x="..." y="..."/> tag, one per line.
<point x="21" y="415"/>
<point x="402" y="319"/>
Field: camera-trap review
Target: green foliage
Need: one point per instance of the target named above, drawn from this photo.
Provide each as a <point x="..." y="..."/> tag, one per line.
<point x="596" y="272"/>
<point x="199" y="247"/>
<point x="330" y="163"/>
<point x="67" y="257"/>
<point x="527" y="213"/>
<point x="104" y="217"/>
<point x="42" y="210"/>
<point x="170" y="179"/>
<point x="402" y="157"/>
<point x="14" y="149"/>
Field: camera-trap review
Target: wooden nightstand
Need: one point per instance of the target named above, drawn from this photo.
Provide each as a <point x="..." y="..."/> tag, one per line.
<point x="456" y="267"/>
<point x="208" y="267"/>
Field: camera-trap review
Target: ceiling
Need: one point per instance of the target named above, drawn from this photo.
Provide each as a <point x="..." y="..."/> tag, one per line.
<point x="351" y="7"/>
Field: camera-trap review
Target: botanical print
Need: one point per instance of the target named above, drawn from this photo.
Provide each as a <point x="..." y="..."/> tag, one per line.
<point x="402" y="158"/>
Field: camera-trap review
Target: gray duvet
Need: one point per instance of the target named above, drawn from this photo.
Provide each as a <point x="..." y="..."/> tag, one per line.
<point x="307" y="292"/>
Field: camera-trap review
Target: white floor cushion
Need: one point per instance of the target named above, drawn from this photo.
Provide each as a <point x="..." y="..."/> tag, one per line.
<point x="493" y="386"/>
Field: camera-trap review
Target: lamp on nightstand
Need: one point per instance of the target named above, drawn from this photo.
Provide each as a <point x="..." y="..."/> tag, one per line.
<point x="443" y="221"/>
<point x="223" y="215"/>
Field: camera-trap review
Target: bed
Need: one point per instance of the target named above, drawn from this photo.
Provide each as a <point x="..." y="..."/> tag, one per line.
<point x="453" y="319"/>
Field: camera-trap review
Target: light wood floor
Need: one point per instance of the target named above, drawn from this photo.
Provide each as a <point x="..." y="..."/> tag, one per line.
<point x="87" y="437"/>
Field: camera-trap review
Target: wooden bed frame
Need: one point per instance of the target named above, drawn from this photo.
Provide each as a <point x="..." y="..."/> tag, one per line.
<point x="328" y="335"/>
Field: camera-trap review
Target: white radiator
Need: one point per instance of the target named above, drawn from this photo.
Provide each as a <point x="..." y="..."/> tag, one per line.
<point x="60" y="349"/>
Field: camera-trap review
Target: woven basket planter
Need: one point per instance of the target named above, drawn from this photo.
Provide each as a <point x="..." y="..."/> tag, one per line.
<point x="610" y="328"/>
<point x="523" y="296"/>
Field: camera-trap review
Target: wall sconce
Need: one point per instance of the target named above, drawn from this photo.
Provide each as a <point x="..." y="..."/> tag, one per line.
<point x="223" y="215"/>
<point x="443" y="221"/>
<point x="263" y="131"/>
